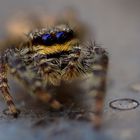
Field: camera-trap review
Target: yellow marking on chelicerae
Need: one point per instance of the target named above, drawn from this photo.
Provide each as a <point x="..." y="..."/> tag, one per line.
<point x="57" y="47"/>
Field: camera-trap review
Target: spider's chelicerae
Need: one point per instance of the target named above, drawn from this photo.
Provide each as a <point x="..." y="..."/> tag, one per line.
<point x="50" y="56"/>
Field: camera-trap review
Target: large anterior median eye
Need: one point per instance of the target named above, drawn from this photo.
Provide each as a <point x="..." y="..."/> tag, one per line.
<point x="63" y="36"/>
<point x="48" y="39"/>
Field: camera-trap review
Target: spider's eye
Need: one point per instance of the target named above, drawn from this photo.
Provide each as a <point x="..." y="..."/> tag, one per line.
<point x="61" y="36"/>
<point x="48" y="39"/>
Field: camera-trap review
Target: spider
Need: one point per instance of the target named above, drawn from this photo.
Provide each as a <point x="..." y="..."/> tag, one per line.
<point x="49" y="56"/>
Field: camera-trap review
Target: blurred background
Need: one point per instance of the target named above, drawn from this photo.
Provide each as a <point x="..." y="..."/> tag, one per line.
<point x="115" y="25"/>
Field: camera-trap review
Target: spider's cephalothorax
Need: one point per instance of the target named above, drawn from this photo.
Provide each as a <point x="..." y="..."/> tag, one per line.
<point x="50" y="56"/>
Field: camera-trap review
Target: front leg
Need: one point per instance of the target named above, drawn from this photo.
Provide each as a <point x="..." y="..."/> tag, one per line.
<point x="46" y="97"/>
<point x="99" y="69"/>
<point x="35" y="88"/>
<point x="50" y="74"/>
<point x="5" y="90"/>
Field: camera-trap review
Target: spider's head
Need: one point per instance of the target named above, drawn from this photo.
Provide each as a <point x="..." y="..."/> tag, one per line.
<point x="57" y="39"/>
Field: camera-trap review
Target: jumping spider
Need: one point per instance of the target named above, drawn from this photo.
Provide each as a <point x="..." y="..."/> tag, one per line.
<point x="49" y="56"/>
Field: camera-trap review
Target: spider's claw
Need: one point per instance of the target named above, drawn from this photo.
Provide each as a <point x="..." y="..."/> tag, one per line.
<point x="16" y="114"/>
<point x="9" y="113"/>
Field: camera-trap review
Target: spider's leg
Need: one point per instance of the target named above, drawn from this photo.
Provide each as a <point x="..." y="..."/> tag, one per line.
<point x="99" y="69"/>
<point x="51" y="76"/>
<point x="5" y="89"/>
<point x="31" y="79"/>
<point x="46" y="97"/>
<point x="35" y="88"/>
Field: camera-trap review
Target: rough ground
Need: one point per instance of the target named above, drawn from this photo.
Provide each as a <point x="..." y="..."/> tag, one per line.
<point x="116" y="26"/>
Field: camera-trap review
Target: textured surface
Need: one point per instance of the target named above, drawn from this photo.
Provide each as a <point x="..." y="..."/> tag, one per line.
<point x="116" y="26"/>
